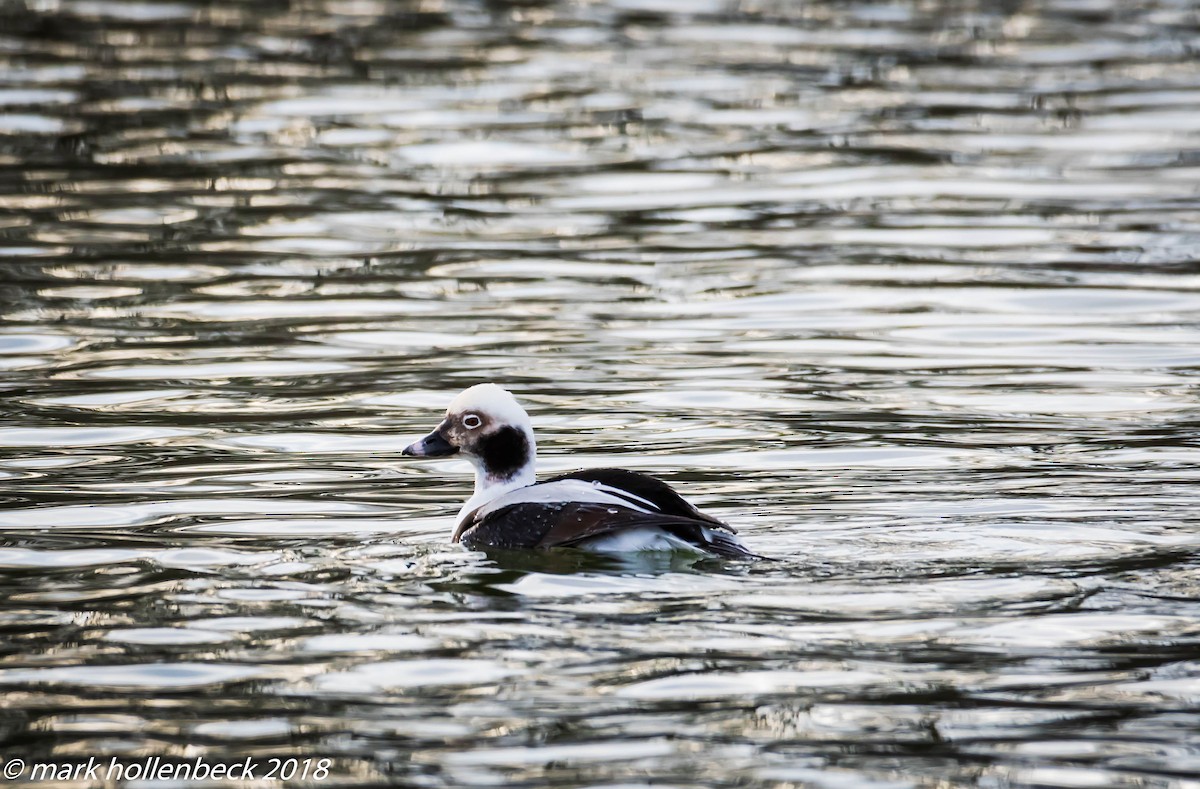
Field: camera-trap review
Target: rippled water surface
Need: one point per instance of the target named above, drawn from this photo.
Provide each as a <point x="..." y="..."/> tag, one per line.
<point x="906" y="291"/>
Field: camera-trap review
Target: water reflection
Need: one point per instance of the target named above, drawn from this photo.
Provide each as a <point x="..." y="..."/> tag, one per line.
<point x="903" y="291"/>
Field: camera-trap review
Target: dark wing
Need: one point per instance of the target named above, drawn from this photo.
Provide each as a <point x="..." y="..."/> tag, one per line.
<point x="655" y="491"/>
<point x="515" y="526"/>
<point x="538" y="525"/>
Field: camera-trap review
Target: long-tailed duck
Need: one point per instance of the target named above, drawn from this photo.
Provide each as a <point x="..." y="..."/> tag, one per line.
<point x="601" y="509"/>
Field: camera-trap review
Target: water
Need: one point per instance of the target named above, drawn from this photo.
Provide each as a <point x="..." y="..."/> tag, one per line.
<point x="905" y="291"/>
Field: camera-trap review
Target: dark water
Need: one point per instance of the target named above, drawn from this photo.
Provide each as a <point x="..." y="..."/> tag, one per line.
<point x="906" y="291"/>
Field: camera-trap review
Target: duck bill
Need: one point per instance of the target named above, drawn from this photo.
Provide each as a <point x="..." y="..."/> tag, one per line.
<point x="433" y="445"/>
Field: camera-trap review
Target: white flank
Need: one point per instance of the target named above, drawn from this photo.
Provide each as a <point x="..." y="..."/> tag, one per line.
<point x="642" y="539"/>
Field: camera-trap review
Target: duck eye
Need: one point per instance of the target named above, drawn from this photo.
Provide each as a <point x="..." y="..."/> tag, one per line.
<point x="471" y="421"/>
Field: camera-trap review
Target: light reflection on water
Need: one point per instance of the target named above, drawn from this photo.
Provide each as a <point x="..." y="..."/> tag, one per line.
<point x="905" y="292"/>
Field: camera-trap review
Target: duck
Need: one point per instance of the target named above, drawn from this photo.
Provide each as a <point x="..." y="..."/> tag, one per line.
<point x="605" y="510"/>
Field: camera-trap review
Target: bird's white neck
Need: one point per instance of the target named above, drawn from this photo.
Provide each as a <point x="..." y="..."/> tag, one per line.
<point x="489" y="485"/>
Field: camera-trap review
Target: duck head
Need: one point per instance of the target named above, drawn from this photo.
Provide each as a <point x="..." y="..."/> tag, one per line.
<point x="486" y="425"/>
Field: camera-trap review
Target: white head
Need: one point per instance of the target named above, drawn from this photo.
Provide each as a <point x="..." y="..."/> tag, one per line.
<point x="487" y="426"/>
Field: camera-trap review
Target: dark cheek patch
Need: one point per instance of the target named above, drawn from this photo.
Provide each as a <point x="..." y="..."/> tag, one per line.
<point x="504" y="452"/>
